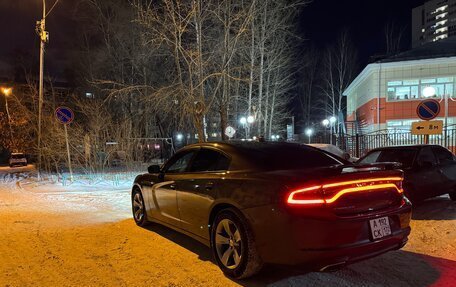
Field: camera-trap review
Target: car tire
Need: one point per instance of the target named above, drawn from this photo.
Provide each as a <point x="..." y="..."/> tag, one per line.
<point x="233" y="245"/>
<point x="138" y="208"/>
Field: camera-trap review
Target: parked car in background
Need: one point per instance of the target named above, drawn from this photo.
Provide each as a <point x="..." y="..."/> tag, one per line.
<point x="269" y="202"/>
<point x="429" y="170"/>
<point x="336" y="151"/>
<point x="17" y="159"/>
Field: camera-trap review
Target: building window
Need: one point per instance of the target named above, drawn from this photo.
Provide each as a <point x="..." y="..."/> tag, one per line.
<point x="412" y="89"/>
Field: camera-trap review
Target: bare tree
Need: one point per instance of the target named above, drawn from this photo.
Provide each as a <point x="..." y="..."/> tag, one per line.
<point x="339" y="69"/>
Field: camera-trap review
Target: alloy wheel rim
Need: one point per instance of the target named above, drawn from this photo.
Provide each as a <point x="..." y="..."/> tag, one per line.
<point x="138" y="209"/>
<point x="228" y="243"/>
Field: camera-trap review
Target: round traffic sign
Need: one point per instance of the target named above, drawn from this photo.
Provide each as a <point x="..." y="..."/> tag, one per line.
<point x="64" y="115"/>
<point x="428" y="109"/>
<point x="230" y="131"/>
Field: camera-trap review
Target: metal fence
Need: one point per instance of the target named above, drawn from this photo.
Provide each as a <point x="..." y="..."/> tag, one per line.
<point x="359" y="145"/>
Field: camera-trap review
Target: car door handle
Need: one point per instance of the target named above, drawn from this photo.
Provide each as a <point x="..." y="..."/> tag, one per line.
<point x="172" y="186"/>
<point x="209" y="185"/>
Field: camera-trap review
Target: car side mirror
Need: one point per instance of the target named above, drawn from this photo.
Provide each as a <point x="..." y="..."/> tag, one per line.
<point x="154" y="169"/>
<point x="346" y="156"/>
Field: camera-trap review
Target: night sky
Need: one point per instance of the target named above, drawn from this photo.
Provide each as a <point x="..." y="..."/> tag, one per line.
<point x="323" y="20"/>
<point x="320" y="23"/>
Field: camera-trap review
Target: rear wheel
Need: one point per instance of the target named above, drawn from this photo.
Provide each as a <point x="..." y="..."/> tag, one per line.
<point x="138" y="208"/>
<point x="233" y="245"/>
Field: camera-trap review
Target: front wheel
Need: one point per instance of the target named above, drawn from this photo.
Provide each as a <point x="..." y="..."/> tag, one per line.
<point x="138" y="208"/>
<point x="233" y="245"/>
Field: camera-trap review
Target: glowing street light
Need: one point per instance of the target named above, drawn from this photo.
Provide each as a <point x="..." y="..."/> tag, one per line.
<point x="309" y="133"/>
<point x="243" y="120"/>
<point x="333" y="120"/>
<point x="179" y="137"/>
<point x="250" y="119"/>
<point x="325" y="122"/>
<point x="7" y="92"/>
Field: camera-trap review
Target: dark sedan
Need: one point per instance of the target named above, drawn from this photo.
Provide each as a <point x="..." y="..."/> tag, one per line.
<point x="256" y="203"/>
<point x="429" y="170"/>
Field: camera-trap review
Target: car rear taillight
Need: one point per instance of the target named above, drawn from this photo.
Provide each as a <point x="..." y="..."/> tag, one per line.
<point x="309" y="195"/>
<point x="330" y="193"/>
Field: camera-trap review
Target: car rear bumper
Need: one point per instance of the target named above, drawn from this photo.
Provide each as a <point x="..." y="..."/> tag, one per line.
<point x="283" y="238"/>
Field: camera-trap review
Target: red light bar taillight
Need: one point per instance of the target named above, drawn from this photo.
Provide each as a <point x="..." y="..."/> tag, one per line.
<point x="310" y="195"/>
<point x="314" y="195"/>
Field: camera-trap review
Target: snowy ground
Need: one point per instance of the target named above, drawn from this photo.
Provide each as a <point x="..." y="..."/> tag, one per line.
<point x="54" y="235"/>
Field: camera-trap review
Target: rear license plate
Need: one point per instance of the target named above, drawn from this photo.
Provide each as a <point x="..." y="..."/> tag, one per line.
<point x="380" y="227"/>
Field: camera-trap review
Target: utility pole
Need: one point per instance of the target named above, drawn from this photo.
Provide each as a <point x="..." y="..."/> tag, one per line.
<point x="44" y="38"/>
<point x="7" y="92"/>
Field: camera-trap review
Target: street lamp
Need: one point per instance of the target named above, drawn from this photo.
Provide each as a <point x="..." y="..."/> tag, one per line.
<point x="246" y="121"/>
<point x="7" y="92"/>
<point x="330" y="122"/>
<point x="309" y="133"/>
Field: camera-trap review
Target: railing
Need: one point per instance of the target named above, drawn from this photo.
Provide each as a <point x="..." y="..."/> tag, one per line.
<point x="359" y="145"/>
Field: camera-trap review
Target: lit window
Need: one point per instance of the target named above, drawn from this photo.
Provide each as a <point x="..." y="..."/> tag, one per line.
<point x="440" y="16"/>
<point x="441" y="30"/>
<point x="410" y="89"/>
<point x="440" y="9"/>
<point x="440" y="23"/>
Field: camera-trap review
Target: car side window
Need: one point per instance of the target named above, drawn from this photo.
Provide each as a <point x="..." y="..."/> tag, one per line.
<point x="370" y="158"/>
<point x="209" y="160"/>
<point x="179" y="163"/>
<point x="444" y="156"/>
<point x="426" y="155"/>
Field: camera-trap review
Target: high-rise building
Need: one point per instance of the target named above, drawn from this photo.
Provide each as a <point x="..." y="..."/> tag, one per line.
<point x="433" y="21"/>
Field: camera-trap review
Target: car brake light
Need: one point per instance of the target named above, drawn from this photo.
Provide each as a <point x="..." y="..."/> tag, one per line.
<point x="309" y="195"/>
<point x="314" y="194"/>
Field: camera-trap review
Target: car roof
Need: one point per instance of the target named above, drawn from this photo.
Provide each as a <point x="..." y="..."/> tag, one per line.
<point x="238" y="144"/>
<point x="241" y="149"/>
<point x="417" y="146"/>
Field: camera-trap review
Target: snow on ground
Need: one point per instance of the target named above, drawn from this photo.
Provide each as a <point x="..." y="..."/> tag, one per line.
<point x="54" y="233"/>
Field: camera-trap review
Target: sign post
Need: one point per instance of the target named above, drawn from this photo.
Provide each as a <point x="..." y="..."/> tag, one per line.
<point x="65" y="116"/>
<point x="230" y="131"/>
<point x="427" y="110"/>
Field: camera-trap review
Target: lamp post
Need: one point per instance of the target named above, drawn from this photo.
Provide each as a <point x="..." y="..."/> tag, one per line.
<point x="44" y="38"/>
<point x="246" y="122"/>
<point x="309" y="133"/>
<point x="330" y="122"/>
<point x="429" y="92"/>
<point x="7" y="92"/>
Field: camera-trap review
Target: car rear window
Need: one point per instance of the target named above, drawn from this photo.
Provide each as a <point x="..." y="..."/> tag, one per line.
<point x="289" y="157"/>
<point x="17" y="156"/>
<point x="405" y="156"/>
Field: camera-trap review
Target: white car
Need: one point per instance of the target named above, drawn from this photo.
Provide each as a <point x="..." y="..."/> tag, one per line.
<point x="17" y="159"/>
<point x="335" y="150"/>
